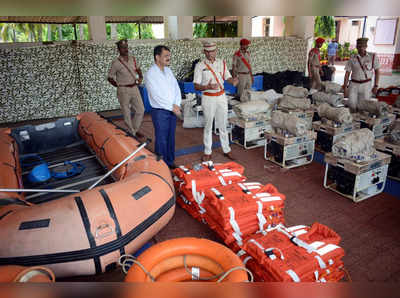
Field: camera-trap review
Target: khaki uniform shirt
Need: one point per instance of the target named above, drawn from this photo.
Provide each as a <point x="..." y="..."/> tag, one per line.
<point x="313" y="60"/>
<point x="121" y="74"/>
<point x="202" y="75"/>
<point x="354" y="66"/>
<point x="239" y="64"/>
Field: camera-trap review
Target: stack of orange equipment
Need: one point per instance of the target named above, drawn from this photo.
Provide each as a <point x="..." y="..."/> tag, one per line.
<point x="238" y="210"/>
<point x="191" y="183"/>
<point x="299" y="254"/>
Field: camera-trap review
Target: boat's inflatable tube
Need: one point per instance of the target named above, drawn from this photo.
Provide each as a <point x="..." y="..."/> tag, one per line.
<point x="86" y="233"/>
<point x="166" y="260"/>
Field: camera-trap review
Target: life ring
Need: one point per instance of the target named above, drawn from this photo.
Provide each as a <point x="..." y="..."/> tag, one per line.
<point x="205" y="254"/>
<point x="26" y="274"/>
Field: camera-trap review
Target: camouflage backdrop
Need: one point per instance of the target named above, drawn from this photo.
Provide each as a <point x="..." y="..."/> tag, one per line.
<point x="60" y="80"/>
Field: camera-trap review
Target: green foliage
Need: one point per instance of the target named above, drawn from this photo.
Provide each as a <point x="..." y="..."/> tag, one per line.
<point x="202" y="30"/>
<point x="324" y="51"/>
<point x="325" y="26"/>
<point x="131" y="31"/>
<point x="29" y="32"/>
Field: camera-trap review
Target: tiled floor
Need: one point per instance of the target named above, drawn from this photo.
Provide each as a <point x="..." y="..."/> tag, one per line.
<point x="370" y="230"/>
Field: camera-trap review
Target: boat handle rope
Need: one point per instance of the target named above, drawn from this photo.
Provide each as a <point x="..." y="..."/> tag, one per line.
<point x="220" y="276"/>
<point x="126" y="260"/>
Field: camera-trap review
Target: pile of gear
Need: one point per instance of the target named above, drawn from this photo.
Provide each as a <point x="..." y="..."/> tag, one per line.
<point x="337" y="115"/>
<point x="253" y="110"/>
<point x="294" y="254"/>
<point x="373" y="108"/>
<point x="356" y="146"/>
<point x="249" y="218"/>
<point x="330" y="94"/>
<point x="285" y="120"/>
<point x="294" y="98"/>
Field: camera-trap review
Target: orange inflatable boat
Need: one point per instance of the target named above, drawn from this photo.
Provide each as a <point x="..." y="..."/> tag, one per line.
<point x="86" y="231"/>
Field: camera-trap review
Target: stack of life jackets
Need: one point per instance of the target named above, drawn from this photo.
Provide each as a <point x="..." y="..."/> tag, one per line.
<point x="237" y="210"/>
<point x="192" y="182"/>
<point x="295" y="254"/>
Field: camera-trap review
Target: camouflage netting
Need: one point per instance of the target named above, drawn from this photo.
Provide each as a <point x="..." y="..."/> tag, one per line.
<point x="59" y="80"/>
<point x="378" y="108"/>
<point x="340" y="115"/>
<point x="296" y="126"/>
<point x="332" y="99"/>
<point x="357" y="146"/>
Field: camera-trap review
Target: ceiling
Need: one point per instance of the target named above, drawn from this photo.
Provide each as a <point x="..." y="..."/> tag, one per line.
<point x="109" y="19"/>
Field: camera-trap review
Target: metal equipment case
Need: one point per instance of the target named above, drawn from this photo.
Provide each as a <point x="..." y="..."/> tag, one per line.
<point x="327" y="133"/>
<point x="290" y="152"/>
<point x="356" y="181"/>
<point x="249" y="134"/>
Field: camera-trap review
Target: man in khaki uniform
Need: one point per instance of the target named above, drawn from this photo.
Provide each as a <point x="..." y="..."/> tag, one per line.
<point x="125" y="74"/>
<point x="209" y="77"/>
<point x="362" y="68"/>
<point x="314" y="65"/>
<point x="241" y="67"/>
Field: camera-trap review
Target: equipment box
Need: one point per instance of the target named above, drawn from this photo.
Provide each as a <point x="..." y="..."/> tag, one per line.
<point x="249" y="134"/>
<point x="356" y="181"/>
<point x="394" y="151"/>
<point x="307" y="115"/>
<point x="290" y="152"/>
<point x="328" y="133"/>
<point x="379" y="126"/>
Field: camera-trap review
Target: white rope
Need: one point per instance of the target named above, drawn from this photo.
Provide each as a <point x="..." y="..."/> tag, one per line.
<point x="125" y="261"/>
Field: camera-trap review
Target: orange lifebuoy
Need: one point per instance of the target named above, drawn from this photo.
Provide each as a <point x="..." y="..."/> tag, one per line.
<point x="208" y="255"/>
<point x="26" y="274"/>
<point x="182" y="274"/>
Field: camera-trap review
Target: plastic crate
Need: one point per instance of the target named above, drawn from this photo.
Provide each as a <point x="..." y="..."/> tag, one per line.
<point x="388" y="95"/>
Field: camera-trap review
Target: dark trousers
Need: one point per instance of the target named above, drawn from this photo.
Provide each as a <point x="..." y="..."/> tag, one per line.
<point x="164" y="123"/>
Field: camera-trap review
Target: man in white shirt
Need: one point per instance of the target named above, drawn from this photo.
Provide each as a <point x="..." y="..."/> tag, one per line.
<point x="165" y="100"/>
<point x="209" y="77"/>
<point x="362" y="68"/>
<point x="125" y="74"/>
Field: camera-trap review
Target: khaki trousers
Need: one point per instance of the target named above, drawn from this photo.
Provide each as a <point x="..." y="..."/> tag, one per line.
<point x="315" y="78"/>
<point x="130" y="100"/>
<point x="244" y="83"/>
<point x="215" y="107"/>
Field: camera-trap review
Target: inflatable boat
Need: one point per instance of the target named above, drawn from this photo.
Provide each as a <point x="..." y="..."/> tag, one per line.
<point x="68" y="224"/>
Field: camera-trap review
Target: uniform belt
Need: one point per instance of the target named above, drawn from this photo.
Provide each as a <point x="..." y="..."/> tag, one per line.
<point x="130" y="86"/>
<point x="243" y="72"/>
<point x="214" y="94"/>
<point x="360" y="82"/>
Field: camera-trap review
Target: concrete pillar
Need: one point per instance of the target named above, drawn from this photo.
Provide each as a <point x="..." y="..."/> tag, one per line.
<point x="244" y="26"/>
<point x="97" y="28"/>
<point x="277" y="26"/>
<point x="114" y="34"/>
<point x="178" y="27"/>
<point x="300" y="26"/>
<point x="48" y="32"/>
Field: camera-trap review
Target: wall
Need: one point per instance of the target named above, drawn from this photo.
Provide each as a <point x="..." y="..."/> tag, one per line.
<point x="46" y="81"/>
